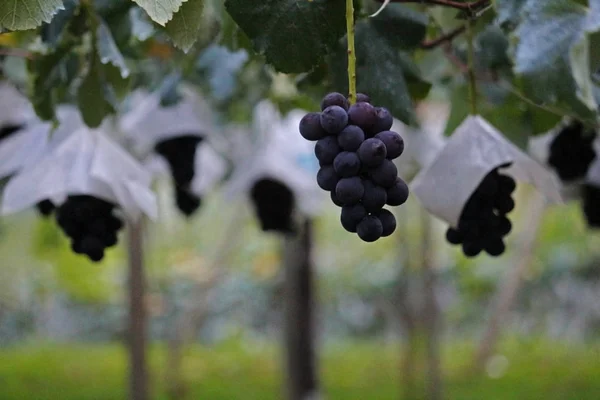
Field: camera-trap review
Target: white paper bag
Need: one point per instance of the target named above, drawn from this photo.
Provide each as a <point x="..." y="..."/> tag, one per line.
<point x="84" y="162"/>
<point x="15" y="109"/>
<point x="29" y="144"/>
<point x="474" y="149"/>
<point x="129" y="182"/>
<point x="21" y="148"/>
<point x="593" y="174"/>
<point x="209" y="168"/>
<point x="148" y="123"/>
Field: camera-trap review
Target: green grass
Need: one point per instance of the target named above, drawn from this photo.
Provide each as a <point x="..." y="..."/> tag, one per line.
<point x="350" y="371"/>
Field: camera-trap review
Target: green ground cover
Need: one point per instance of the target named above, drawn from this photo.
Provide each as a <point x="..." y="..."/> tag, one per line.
<point x="534" y="371"/>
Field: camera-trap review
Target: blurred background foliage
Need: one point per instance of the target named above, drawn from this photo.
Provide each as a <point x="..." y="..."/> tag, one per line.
<point x="61" y="316"/>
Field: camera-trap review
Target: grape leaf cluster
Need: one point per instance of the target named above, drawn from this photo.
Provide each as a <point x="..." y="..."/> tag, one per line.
<point x="180" y="154"/>
<point x="274" y="205"/>
<point x="483" y="222"/>
<point x="355" y="148"/>
<point x="90" y="223"/>
<point x="572" y="151"/>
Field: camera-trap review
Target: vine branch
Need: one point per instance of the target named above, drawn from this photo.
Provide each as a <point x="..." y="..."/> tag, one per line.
<point x="16" y="53"/>
<point x="491" y="77"/>
<point x="469" y="7"/>
<point x="445" y="38"/>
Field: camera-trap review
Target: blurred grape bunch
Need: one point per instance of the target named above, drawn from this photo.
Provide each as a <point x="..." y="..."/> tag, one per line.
<point x="571" y="150"/>
<point x="83" y="170"/>
<point x="176" y="138"/>
<point x="275" y="174"/>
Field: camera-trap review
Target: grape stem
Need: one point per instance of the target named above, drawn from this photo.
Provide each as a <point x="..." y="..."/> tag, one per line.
<point x="471" y="68"/>
<point x="351" y="52"/>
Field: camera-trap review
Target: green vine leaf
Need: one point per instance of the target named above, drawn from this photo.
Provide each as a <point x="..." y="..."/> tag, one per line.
<point x="185" y="26"/>
<point x="552" y="53"/>
<point x="27" y="14"/>
<point x="294" y="35"/>
<point x="161" y="11"/>
<point x="48" y="72"/>
<point x="403" y="27"/>
<point x="91" y="95"/>
<point x="524" y="121"/>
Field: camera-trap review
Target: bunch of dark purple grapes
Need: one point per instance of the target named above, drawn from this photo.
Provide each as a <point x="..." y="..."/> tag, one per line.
<point x="572" y="151"/>
<point x="355" y="149"/>
<point x="483" y="222"/>
<point x="180" y="154"/>
<point x="90" y="223"/>
<point x="274" y="205"/>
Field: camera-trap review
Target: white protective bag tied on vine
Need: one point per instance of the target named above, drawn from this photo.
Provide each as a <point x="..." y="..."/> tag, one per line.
<point x="85" y="162"/>
<point x="27" y="145"/>
<point x="209" y="168"/>
<point x="148" y="122"/>
<point x="280" y="153"/>
<point x="475" y="149"/>
<point x="22" y="148"/>
<point x="16" y="108"/>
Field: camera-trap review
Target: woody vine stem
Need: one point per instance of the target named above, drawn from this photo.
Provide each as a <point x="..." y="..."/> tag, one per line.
<point x="351" y="52"/>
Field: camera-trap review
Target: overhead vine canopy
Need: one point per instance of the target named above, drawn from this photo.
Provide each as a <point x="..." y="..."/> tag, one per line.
<point x="534" y="59"/>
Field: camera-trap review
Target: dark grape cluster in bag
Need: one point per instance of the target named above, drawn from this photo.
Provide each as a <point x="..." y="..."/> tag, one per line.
<point x="45" y="208"/>
<point x="571" y="155"/>
<point x="274" y="205"/>
<point x="483" y="222"/>
<point x="591" y="205"/>
<point x="572" y="151"/>
<point x="90" y="223"/>
<point x="180" y="154"/>
<point x="355" y="148"/>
